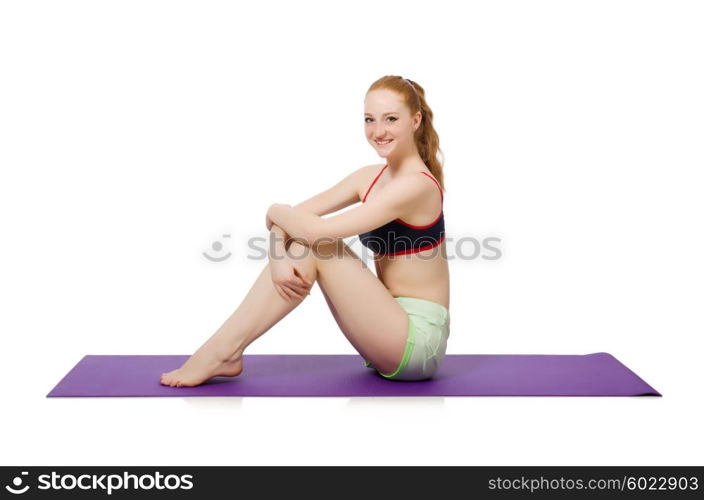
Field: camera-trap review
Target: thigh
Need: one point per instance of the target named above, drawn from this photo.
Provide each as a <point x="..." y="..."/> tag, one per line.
<point x="366" y="312"/>
<point x="337" y="317"/>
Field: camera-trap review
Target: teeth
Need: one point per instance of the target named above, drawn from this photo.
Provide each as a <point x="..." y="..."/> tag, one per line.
<point x="386" y="142"/>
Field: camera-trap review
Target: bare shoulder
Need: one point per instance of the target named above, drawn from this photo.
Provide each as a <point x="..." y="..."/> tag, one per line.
<point x="365" y="175"/>
<point x="370" y="170"/>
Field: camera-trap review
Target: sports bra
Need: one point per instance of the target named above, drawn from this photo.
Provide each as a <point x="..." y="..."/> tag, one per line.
<point x="398" y="237"/>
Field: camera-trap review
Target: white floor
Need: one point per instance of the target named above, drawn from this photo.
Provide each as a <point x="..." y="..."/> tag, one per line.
<point x="353" y="431"/>
<point x="359" y="431"/>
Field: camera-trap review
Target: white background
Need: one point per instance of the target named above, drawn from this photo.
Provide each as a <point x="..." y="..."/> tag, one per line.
<point x="134" y="134"/>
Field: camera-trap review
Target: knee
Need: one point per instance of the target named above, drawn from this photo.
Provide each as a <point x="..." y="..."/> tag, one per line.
<point x="297" y="250"/>
<point x="326" y="250"/>
<point x="319" y="249"/>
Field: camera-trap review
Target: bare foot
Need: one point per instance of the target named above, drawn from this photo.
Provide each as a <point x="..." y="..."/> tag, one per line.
<point x="204" y="364"/>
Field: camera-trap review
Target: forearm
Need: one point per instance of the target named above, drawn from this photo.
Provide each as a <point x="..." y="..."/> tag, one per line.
<point x="297" y="223"/>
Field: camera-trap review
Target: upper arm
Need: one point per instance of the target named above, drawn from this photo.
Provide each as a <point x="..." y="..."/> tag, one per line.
<point x="339" y="196"/>
<point x="396" y="201"/>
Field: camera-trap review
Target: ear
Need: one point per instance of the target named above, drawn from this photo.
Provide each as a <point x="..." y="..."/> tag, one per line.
<point x="417" y="119"/>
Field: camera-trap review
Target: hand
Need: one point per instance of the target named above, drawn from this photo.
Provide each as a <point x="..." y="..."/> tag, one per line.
<point x="290" y="280"/>
<point x="269" y="222"/>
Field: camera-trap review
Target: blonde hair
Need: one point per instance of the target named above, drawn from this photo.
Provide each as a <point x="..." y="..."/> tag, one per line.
<point x="426" y="138"/>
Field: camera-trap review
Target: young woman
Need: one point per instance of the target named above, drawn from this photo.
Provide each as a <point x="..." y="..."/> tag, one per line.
<point x="398" y="320"/>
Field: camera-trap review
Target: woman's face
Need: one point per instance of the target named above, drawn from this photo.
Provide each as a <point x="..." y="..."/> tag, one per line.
<point x="388" y="124"/>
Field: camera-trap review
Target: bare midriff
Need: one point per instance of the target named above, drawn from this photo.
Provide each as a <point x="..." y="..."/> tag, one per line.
<point x="424" y="275"/>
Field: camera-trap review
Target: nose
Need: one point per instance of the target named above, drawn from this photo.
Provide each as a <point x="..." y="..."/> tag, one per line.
<point x="379" y="131"/>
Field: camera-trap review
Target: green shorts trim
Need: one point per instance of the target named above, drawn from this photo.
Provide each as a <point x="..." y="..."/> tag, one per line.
<point x="428" y="331"/>
<point x="406" y="352"/>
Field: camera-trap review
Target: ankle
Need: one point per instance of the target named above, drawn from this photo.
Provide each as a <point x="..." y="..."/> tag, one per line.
<point x="236" y="356"/>
<point x="227" y="351"/>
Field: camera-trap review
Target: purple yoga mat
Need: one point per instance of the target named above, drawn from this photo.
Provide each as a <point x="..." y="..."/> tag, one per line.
<point x="598" y="374"/>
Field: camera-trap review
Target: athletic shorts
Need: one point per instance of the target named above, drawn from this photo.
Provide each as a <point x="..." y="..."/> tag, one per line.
<point x="428" y="330"/>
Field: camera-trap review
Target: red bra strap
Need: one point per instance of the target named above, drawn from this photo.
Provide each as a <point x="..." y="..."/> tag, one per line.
<point x="438" y="184"/>
<point x="372" y="185"/>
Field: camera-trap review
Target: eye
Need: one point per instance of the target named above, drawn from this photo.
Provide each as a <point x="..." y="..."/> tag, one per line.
<point x="390" y="118"/>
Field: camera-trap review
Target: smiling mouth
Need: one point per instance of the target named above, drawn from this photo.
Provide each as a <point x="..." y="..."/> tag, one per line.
<point x="383" y="142"/>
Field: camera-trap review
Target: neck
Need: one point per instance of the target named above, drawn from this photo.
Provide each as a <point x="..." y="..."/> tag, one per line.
<point x="398" y="166"/>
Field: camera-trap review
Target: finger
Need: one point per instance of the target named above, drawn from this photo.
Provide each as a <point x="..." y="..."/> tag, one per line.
<point x="298" y="293"/>
<point x="283" y="294"/>
<point x="295" y="293"/>
<point x="297" y="284"/>
<point x="303" y="276"/>
<point x="303" y="290"/>
<point x="306" y="282"/>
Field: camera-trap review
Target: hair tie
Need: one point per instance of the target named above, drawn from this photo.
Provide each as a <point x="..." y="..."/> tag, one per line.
<point x="410" y="82"/>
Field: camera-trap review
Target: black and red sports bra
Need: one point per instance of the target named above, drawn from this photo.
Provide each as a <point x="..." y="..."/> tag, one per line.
<point x="398" y="237"/>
